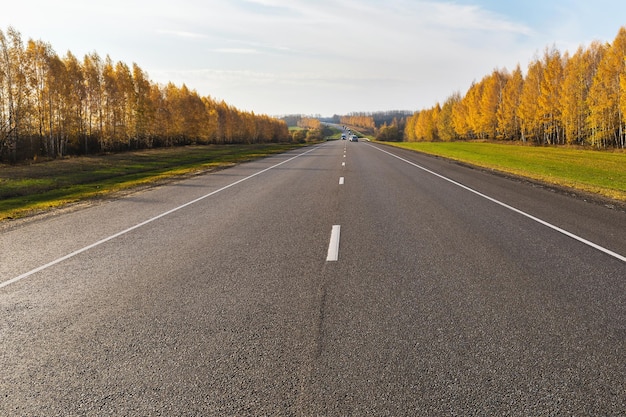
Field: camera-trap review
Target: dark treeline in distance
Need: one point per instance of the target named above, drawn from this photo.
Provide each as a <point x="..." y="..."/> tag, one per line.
<point x="56" y="106"/>
<point x="562" y="99"/>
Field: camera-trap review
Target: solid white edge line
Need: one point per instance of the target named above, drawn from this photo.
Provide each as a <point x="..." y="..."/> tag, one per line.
<point x="333" y="246"/>
<point x="123" y="232"/>
<point x="530" y="216"/>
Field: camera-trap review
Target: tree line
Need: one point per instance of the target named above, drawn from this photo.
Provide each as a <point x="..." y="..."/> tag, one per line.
<point x="309" y="123"/>
<point x="363" y="121"/>
<point x="384" y="125"/>
<point x="55" y="106"/>
<point x="562" y="99"/>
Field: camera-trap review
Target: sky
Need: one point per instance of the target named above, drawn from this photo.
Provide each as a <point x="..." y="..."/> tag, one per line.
<point x="318" y="57"/>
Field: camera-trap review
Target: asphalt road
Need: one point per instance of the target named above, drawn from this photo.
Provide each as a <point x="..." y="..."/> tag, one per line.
<point x="342" y="279"/>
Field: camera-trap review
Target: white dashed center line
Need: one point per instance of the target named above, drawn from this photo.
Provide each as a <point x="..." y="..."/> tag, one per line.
<point x="333" y="246"/>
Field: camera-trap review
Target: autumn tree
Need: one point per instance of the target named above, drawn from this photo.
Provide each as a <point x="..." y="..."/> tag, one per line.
<point x="92" y="68"/>
<point x="528" y="111"/>
<point x="75" y="102"/>
<point x="549" y="104"/>
<point x="212" y="121"/>
<point x="144" y="111"/>
<point x="127" y="103"/>
<point x="605" y="97"/>
<point x="474" y="119"/>
<point x="309" y="123"/>
<point x="389" y="132"/>
<point x="195" y="117"/>
<point x="426" y="124"/>
<point x="506" y="115"/>
<point x="57" y="89"/>
<point x="409" y="128"/>
<point x="490" y="100"/>
<point x="578" y="76"/>
<point x="445" y="124"/>
<point x="13" y="92"/>
<point x="361" y="120"/>
<point x="460" y="117"/>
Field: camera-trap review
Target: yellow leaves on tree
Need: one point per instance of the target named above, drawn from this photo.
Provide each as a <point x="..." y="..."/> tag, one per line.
<point x="56" y="106"/>
<point x="575" y="100"/>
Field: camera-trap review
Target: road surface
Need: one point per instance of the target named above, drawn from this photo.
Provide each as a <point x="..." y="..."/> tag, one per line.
<point x="340" y="279"/>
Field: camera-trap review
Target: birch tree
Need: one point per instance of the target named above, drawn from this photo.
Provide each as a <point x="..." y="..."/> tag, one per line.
<point x="13" y="91"/>
<point x="606" y="118"/>
<point x="550" y="97"/>
<point x="75" y="103"/>
<point x="578" y="77"/>
<point x="445" y="124"/>
<point x="92" y="67"/>
<point x="506" y="115"/>
<point x="490" y="101"/>
<point x="528" y="110"/>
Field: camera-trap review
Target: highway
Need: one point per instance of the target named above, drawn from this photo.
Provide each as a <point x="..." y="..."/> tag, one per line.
<point x="342" y="279"/>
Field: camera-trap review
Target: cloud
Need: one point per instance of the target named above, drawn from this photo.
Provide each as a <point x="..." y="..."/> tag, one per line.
<point x="244" y="51"/>
<point x="453" y="16"/>
<point x="183" y="34"/>
<point x="411" y="51"/>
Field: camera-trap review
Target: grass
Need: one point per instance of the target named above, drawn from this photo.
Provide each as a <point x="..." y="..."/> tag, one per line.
<point x="27" y="189"/>
<point x="598" y="172"/>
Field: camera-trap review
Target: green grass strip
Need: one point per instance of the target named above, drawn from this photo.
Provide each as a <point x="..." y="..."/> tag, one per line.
<point x="598" y="172"/>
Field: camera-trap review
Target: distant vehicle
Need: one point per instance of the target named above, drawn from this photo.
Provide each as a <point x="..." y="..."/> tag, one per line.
<point x="354" y="138"/>
<point x="343" y="137"/>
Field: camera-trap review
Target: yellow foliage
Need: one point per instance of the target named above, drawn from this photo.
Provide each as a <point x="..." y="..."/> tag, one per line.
<point x="577" y="100"/>
<point x="66" y="107"/>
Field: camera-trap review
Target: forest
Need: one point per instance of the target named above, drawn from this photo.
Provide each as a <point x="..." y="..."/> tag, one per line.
<point x="561" y="100"/>
<point x="53" y="106"/>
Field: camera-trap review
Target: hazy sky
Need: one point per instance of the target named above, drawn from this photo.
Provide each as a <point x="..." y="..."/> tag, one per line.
<point x="318" y="56"/>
